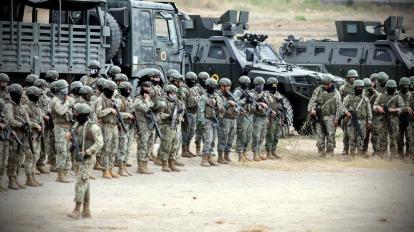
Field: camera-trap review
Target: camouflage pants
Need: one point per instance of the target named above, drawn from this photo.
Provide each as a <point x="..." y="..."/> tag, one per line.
<point x="189" y="128"/>
<point x="404" y="139"/>
<point x="226" y="134"/>
<point x="209" y="136"/>
<point x="199" y="133"/>
<point x="272" y="134"/>
<point x="16" y="156"/>
<point x="244" y="132"/>
<point x="124" y="146"/>
<point x="259" y="132"/>
<point x="49" y="151"/>
<point x="31" y="158"/>
<point x="131" y="140"/>
<point x="374" y="134"/>
<point x="168" y="147"/>
<point x="144" y="139"/>
<point x="110" y="136"/>
<point x="63" y="156"/>
<point x="4" y="156"/>
<point x="410" y="130"/>
<point x="82" y="189"/>
<point x="356" y="143"/>
<point x="326" y="142"/>
<point x="345" y="124"/>
<point x="385" y="138"/>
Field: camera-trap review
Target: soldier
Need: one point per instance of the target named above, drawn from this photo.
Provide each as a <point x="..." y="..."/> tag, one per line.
<point x="93" y="75"/>
<point x="227" y="124"/>
<point x="170" y="72"/>
<point x="357" y="105"/>
<point x="90" y="143"/>
<point x="382" y="79"/>
<point x="244" y="120"/>
<point x="371" y="134"/>
<point x="113" y="71"/>
<point x="388" y="105"/>
<point x="4" y="81"/>
<point x="85" y="93"/>
<point x="191" y="104"/>
<point x="208" y="113"/>
<point x="4" y="143"/>
<point x="98" y="92"/>
<point x="373" y="79"/>
<point x="326" y="106"/>
<point x="74" y="90"/>
<point x="200" y="88"/>
<point x="273" y="126"/>
<point x="120" y="77"/>
<point x="344" y="90"/>
<point x="51" y="76"/>
<point x="170" y="116"/>
<point x="403" y="135"/>
<point x="16" y="117"/>
<point x="124" y="136"/>
<point x="106" y="113"/>
<point x="409" y="108"/>
<point x="28" y="81"/>
<point x="61" y="111"/>
<point x="36" y="120"/>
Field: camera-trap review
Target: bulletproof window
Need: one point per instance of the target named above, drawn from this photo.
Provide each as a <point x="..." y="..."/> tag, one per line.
<point x="161" y="28"/>
<point x="351" y="28"/>
<point x="300" y="50"/>
<point x="382" y="54"/>
<point x="145" y="26"/>
<point x="216" y="52"/>
<point x="319" y="50"/>
<point x="350" y="52"/>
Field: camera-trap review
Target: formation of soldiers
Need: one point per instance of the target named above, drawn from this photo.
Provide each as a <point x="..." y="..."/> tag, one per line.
<point x="373" y="109"/>
<point x="92" y="124"/>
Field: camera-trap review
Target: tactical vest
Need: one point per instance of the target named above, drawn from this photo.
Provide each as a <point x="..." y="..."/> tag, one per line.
<point x="259" y="98"/>
<point x="61" y="119"/>
<point x="354" y="102"/>
<point x="108" y="103"/>
<point x="126" y="107"/>
<point x="389" y="100"/>
<point x="86" y="143"/>
<point x="323" y="97"/>
<point x="211" y="110"/>
<point x="192" y="99"/>
<point x="19" y="114"/>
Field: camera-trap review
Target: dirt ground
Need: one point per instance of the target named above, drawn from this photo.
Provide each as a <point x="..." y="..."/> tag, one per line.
<point x="299" y="193"/>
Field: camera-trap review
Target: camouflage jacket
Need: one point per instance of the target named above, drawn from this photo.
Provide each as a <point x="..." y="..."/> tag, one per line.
<point x="88" y="80"/>
<point x="210" y="106"/>
<point x="4" y="94"/>
<point x="391" y="101"/>
<point x="329" y="102"/>
<point x="104" y="107"/>
<point x="89" y="137"/>
<point x="61" y="110"/>
<point x="346" y="89"/>
<point x="142" y="107"/>
<point x="230" y="111"/>
<point x="167" y="113"/>
<point x="260" y="97"/>
<point x="191" y="100"/>
<point x="360" y="105"/>
<point x="238" y="94"/>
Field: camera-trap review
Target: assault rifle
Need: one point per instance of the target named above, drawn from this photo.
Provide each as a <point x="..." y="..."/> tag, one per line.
<point x="28" y="130"/>
<point x="119" y="118"/>
<point x="176" y="112"/>
<point x="388" y="119"/>
<point x="355" y="123"/>
<point x="153" y="123"/>
<point x="75" y="148"/>
<point x="318" y="119"/>
<point x="238" y="108"/>
<point x="8" y="133"/>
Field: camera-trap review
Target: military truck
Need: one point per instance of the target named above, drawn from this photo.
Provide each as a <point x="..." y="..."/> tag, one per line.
<point x="65" y="35"/>
<point x="219" y="46"/>
<point x="367" y="47"/>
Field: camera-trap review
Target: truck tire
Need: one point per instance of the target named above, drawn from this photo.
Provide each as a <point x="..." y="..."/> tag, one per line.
<point x="287" y="126"/>
<point x="115" y="39"/>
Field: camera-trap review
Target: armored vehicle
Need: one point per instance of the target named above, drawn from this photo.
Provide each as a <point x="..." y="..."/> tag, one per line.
<point x="219" y="46"/>
<point x="367" y="47"/>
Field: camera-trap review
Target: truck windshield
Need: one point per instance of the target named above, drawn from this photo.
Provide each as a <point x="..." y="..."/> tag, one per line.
<point x="263" y="51"/>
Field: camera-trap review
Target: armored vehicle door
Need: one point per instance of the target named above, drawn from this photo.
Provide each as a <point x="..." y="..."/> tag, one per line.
<point x="381" y="59"/>
<point x="214" y="59"/>
<point x="346" y="56"/>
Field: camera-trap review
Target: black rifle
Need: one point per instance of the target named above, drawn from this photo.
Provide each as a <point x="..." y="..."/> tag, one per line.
<point x="135" y="121"/>
<point x="49" y="124"/>
<point x="318" y="119"/>
<point x="176" y="112"/>
<point x="8" y="133"/>
<point x="75" y="147"/>
<point x="119" y="118"/>
<point x="28" y="130"/>
<point x="153" y="123"/>
<point x="238" y="108"/>
<point x="283" y="110"/>
<point x="268" y="111"/>
<point x="256" y="104"/>
<point x="388" y="119"/>
<point x="355" y="123"/>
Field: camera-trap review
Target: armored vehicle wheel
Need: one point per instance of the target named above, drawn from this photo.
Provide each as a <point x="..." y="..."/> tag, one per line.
<point x="115" y="39"/>
<point x="287" y="126"/>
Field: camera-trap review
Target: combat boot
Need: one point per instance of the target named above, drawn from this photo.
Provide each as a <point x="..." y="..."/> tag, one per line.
<point x="165" y="167"/>
<point x="106" y="175"/>
<point x="198" y="149"/>
<point x="86" y="213"/>
<point x="157" y="161"/>
<point x="2" y="189"/>
<point x="184" y="152"/>
<point x="269" y="155"/>
<point x="126" y="170"/>
<point x="262" y="157"/>
<point x="121" y="170"/>
<point x="171" y="165"/>
<point x="98" y="165"/>
<point x="211" y="161"/>
<point x="36" y="181"/>
<point x="65" y="173"/>
<point x="76" y="212"/>
<point x="113" y="174"/>
<point x="246" y="157"/>
<point x="12" y="183"/>
<point x="188" y="151"/>
<point x="275" y="155"/>
<point x="220" y="159"/>
<point x="256" y="157"/>
<point x="42" y="169"/>
<point x="143" y="168"/>
<point x="53" y="168"/>
<point x="204" y="161"/>
<point x="30" y="182"/>
<point x="227" y="157"/>
<point x="61" y="177"/>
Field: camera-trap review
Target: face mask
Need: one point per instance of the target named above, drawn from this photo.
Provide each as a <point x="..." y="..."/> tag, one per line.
<point x="244" y="86"/>
<point x="108" y="93"/>
<point x="272" y="89"/>
<point x="94" y="72"/>
<point x="358" y="91"/>
<point x="16" y="97"/>
<point x="125" y="92"/>
<point x="86" y="97"/>
<point x="210" y="90"/>
<point x="390" y="91"/>
<point x="75" y="91"/>
<point x="258" y="88"/>
<point x="404" y="89"/>
<point x="202" y="84"/>
<point x="189" y="84"/>
<point x="329" y="89"/>
<point x="371" y="91"/>
<point x="33" y="98"/>
<point x="154" y="82"/>
<point x="82" y="118"/>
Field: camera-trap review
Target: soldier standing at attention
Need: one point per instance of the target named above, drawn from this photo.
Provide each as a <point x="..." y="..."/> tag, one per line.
<point x="403" y="137"/>
<point x="93" y="75"/>
<point x="344" y="90"/>
<point x="357" y="104"/>
<point x="371" y="94"/>
<point x="227" y="124"/>
<point x="61" y="110"/>
<point x="4" y="81"/>
<point x="200" y="87"/>
<point x="90" y="143"/>
<point x="272" y="135"/>
<point x="4" y="143"/>
<point x="326" y="105"/>
<point x="208" y="112"/>
<point x="388" y="105"/>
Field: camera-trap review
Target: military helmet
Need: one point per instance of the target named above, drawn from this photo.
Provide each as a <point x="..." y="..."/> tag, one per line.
<point x="85" y="90"/>
<point x="367" y="82"/>
<point x="176" y="77"/>
<point x="15" y="88"/>
<point x="244" y="80"/>
<point x="125" y="85"/>
<point x="4" y="77"/>
<point x="94" y="65"/>
<point x="373" y="76"/>
<point x="225" y="81"/>
<point x="33" y="90"/>
<point x="271" y="81"/>
<point x="81" y="108"/>
<point x="326" y="79"/>
<point x="258" y="81"/>
<point x="358" y="83"/>
<point x="382" y="77"/>
<point x="170" y="89"/>
<point x="75" y="84"/>
<point x="391" y="84"/>
<point x="191" y="76"/>
<point x="100" y="82"/>
<point x="60" y="84"/>
<point x="109" y="85"/>
<point x="404" y="81"/>
<point x="352" y="73"/>
<point x="211" y="82"/>
<point x="52" y="74"/>
<point x="121" y="77"/>
<point x="30" y="79"/>
<point x="203" y="76"/>
<point x="170" y="72"/>
<point x="159" y="105"/>
<point x="113" y="70"/>
<point x="41" y="83"/>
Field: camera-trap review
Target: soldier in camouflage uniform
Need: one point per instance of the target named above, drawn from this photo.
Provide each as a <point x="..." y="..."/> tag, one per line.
<point x="169" y="129"/>
<point x="113" y="71"/>
<point x="200" y="88"/>
<point x="344" y="90"/>
<point x="17" y="118"/>
<point x="273" y="126"/>
<point x="126" y="111"/>
<point x="328" y="99"/>
<point x="382" y="79"/>
<point x="360" y="105"/>
<point x="4" y="143"/>
<point x="394" y="102"/>
<point x="106" y="113"/>
<point x="244" y="125"/>
<point x="190" y="117"/>
<point x="403" y="137"/>
<point x="409" y="109"/>
<point x="209" y="111"/>
<point x="86" y="93"/>
<point x="227" y="124"/>
<point x="28" y="81"/>
<point x="74" y="90"/>
<point x="4" y="81"/>
<point x="371" y="94"/>
<point x="90" y="142"/>
<point x="93" y="75"/>
<point x="61" y="111"/>
<point x="51" y="76"/>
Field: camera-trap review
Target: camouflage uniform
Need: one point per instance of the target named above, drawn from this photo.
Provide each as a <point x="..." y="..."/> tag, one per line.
<point x="404" y="138"/>
<point x="410" y="127"/>
<point x="124" y="137"/>
<point x="227" y="129"/>
<point x="260" y="123"/>
<point x="244" y="125"/>
<point x="199" y="127"/>
<point x="372" y="133"/>
<point x="4" y="142"/>
<point x="273" y="127"/>
<point x="345" y="90"/>
<point x="191" y="102"/>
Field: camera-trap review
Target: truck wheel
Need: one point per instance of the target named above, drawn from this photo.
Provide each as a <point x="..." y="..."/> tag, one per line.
<point x="115" y="39"/>
<point x="287" y="124"/>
